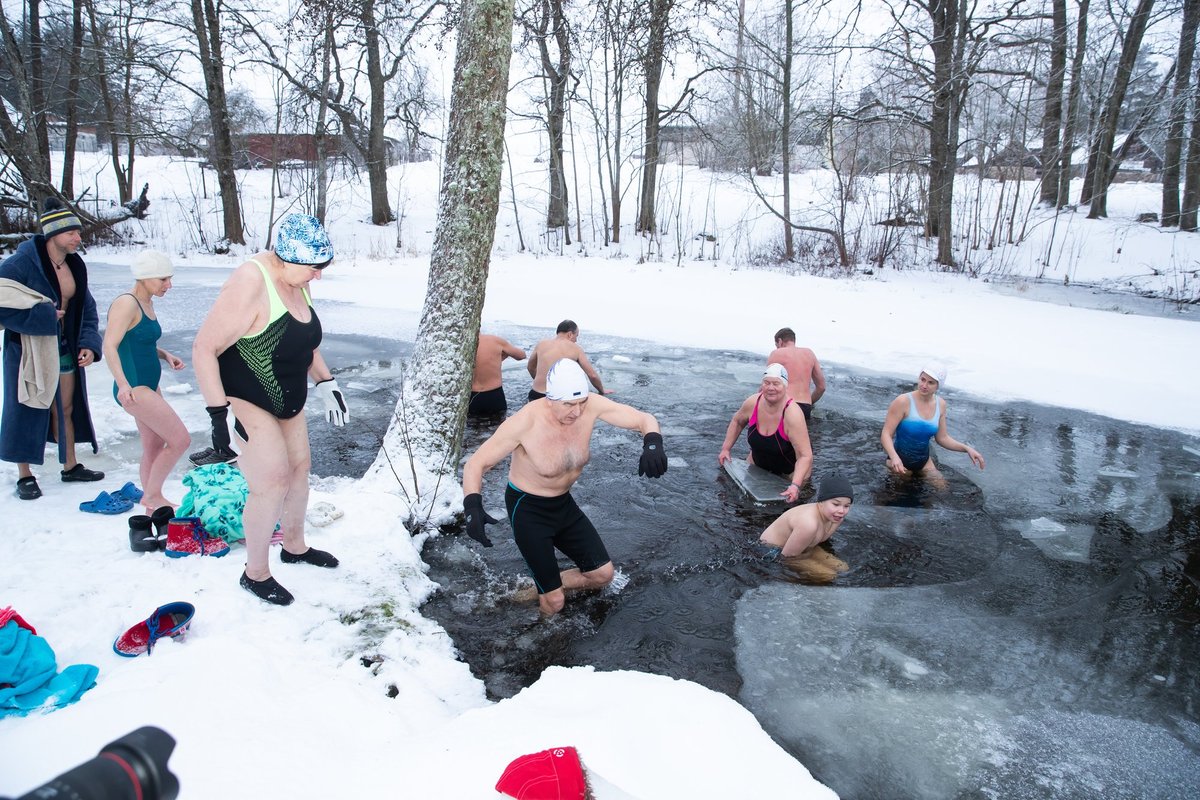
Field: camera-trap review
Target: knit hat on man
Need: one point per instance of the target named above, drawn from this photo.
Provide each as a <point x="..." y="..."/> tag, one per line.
<point x="835" y="486"/>
<point x="151" y="264"/>
<point x="57" y="219"/>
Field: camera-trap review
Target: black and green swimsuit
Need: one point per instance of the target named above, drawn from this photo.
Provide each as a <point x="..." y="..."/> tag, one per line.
<point x="270" y="368"/>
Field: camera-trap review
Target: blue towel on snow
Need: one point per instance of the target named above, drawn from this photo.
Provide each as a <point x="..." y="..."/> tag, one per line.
<point x="29" y="677"/>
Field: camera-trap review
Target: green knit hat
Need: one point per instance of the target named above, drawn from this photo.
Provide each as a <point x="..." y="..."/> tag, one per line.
<point x="56" y="219"/>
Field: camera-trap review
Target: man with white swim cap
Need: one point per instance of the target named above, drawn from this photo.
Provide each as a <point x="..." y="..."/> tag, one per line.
<point x="548" y="352"/>
<point x="549" y="441"/>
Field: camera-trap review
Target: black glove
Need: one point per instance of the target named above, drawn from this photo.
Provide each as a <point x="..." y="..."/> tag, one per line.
<point x="654" y="458"/>
<point x="219" y="417"/>
<point x="477" y="518"/>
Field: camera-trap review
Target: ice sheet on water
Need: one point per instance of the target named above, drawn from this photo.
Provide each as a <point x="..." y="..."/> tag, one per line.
<point x="1069" y="542"/>
<point x="745" y="373"/>
<point x="927" y="692"/>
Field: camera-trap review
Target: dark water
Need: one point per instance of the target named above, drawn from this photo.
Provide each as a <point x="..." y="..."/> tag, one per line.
<point x="1030" y="631"/>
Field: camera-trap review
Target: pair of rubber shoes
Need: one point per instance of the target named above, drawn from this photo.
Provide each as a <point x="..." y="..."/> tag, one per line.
<point x="270" y="590"/>
<point x="28" y="489"/>
<point x="175" y="536"/>
<point x="148" y="533"/>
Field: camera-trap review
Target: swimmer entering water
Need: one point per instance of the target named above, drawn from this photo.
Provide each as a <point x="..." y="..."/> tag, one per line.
<point x="549" y="442"/>
<point x="796" y="536"/>
<point x="913" y="419"/>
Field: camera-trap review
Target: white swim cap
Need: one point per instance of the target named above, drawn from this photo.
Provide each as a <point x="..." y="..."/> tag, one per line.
<point x="776" y="371"/>
<point x="566" y="381"/>
<point x="151" y="264"/>
<point x="937" y="371"/>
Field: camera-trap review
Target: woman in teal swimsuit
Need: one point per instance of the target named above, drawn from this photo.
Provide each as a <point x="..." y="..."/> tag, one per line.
<point x="132" y="354"/>
<point x="915" y="418"/>
<point x="255" y="353"/>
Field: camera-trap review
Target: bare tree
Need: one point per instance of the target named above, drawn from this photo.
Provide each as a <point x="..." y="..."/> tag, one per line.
<point x="546" y="24"/>
<point x="1074" y="95"/>
<point x="74" y="67"/>
<point x="23" y="138"/>
<point x="371" y="44"/>
<point x="1052" y="116"/>
<point x="1100" y="160"/>
<point x="613" y="36"/>
<point x="210" y="44"/>
<point x="662" y="35"/>
<point x="1181" y="100"/>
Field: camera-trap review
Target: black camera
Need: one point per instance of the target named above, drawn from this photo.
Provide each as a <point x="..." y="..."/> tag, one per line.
<point x="134" y="766"/>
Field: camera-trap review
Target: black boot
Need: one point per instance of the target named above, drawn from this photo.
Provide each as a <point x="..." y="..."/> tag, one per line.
<point x="161" y="516"/>
<point x="141" y="534"/>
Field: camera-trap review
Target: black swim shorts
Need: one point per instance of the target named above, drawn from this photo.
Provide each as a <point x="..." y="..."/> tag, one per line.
<point x="484" y="404"/>
<point x="534" y="394"/>
<point x="541" y="524"/>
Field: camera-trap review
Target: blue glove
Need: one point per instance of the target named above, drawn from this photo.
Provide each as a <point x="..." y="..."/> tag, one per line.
<point x="477" y="518"/>
<point x="654" y="458"/>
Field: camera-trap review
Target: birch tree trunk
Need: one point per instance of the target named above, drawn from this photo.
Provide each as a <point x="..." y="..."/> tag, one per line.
<point x="433" y="403"/>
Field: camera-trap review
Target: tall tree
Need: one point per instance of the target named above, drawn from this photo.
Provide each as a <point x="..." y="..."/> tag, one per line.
<point x="1190" y="203"/>
<point x="434" y="401"/>
<point x="207" y="28"/>
<point x="1181" y="102"/>
<point x="1052" y="115"/>
<point x="653" y="57"/>
<point x="1074" y="95"/>
<point x="948" y="42"/>
<point x="546" y="23"/>
<point x="74" y="67"/>
<point x="1100" y="161"/>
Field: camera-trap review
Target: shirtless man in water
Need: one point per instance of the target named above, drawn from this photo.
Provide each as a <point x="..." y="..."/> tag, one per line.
<point x="487" y="389"/>
<point x="548" y="352"/>
<point x="807" y="382"/>
<point x="796" y="536"/>
<point x="549" y="442"/>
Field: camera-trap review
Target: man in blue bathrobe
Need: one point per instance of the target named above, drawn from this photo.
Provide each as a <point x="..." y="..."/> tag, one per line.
<point x="47" y="265"/>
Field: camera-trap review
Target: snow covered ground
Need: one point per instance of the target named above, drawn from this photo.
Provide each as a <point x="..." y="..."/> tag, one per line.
<point x="295" y="701"/>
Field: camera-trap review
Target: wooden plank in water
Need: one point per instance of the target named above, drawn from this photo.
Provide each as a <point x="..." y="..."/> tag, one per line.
<point x="762" y="486"/>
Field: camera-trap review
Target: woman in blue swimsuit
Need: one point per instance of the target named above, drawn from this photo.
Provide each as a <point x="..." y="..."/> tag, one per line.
<point x="255" y="353"/>
<point x="913" y="419"/>
<point x="132" y="354"/>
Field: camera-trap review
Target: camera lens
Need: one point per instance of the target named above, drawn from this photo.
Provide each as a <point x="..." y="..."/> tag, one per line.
<point x="132" y="767"/>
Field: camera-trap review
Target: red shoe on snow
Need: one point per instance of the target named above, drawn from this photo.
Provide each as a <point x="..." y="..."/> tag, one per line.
<point x="169" y="621"/>
<point x="186" y="536"/>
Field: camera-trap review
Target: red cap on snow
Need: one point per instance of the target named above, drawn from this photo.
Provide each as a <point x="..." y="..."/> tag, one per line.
<point x="553" y="774"/>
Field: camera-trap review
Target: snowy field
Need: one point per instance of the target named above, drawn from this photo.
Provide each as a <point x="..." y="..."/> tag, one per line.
<point x="279" y="700"/>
